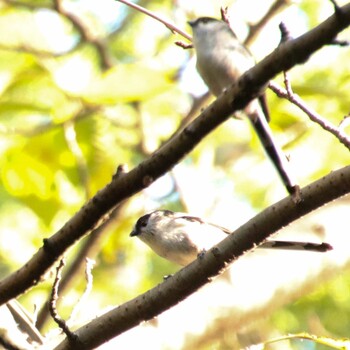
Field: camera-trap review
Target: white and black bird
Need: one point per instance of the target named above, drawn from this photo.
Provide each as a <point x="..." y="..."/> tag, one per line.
<point x="221" y="61"/>
<point x="179" y="237"/>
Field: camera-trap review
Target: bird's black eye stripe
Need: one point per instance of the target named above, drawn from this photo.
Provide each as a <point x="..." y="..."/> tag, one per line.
<point x="168" y="213"/>
<point x="142" y="222"/>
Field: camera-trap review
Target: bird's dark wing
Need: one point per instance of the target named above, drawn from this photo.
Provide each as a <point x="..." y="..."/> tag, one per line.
<point x="192" y="218"/>
<point x="292" y="245"/>
<point x="199" y="220"/>
<point x="288" y="245"/>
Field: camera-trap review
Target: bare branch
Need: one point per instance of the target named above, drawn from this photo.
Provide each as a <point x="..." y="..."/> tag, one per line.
<point x="297" y="101"/>
<point x="183" y="45"/>
<point x="335" y="5"/>
<point x="53" y="301"/>
<point x="331" y="342"/>
<point x="314" y="116"/>
<point x="345" y="122"/>
<point x="224" y="14"/>
<point x="90" y="248"/>
<point x="285" y="33"/>
<point x="192" y="277"/>
<point x="234" y="98"/>
<point x="172" y="27"/>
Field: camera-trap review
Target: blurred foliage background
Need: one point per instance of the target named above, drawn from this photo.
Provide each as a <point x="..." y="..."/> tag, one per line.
<point x="88" y="85"/>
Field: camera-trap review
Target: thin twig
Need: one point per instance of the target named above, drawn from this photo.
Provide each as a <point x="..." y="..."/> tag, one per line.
<point x="285" y="33"/>
<point x="340" y="42"/>
<point x="333" y="343"/>
<point x="224" y="14"/>
<point x="169" y="25"/>
<point x="289" y="94"/>
<point x="345" y="122"/>
<point x="183" y="45"/>
<point x="287" y="84"/>
<point x="91" y="246"/>
<point x="53" y="302"/>
<point x="335" y="5"/>
<point x="314" y="116"/>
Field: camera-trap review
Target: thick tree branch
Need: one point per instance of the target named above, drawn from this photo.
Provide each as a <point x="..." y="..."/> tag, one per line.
<point x="90" y="248"/>
<point x="202" y="270"/>
<point x="234" y="98"/>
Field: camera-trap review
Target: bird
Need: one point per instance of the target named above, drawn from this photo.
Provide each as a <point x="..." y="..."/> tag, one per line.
<point x="221" y="61"/>
<point x="180" y="237"/>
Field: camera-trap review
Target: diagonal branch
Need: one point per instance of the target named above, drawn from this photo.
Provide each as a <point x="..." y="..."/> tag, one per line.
<point x="201" y="271"/>
<point x="234" y="98"/>
<point x="172" y="27"/>
<point x="90" y="248"/>
<point x="313" y="115"/>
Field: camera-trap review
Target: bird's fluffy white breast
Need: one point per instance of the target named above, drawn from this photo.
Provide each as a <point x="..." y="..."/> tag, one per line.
<point x="221" y="59"/>
<point x="180" y="238"/>
<point x="184" y="230"/>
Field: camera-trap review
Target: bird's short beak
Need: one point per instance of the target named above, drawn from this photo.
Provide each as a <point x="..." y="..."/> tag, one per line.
<point x="133" y="233"/>
<point x="191" y="23"/>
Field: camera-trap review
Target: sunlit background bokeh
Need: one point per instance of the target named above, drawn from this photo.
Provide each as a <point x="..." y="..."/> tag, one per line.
<point x="97" y="84"/>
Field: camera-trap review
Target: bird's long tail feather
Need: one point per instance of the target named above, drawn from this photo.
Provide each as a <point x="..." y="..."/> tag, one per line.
<point x="276" y="155"/>
<point x="293" y="245"/>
